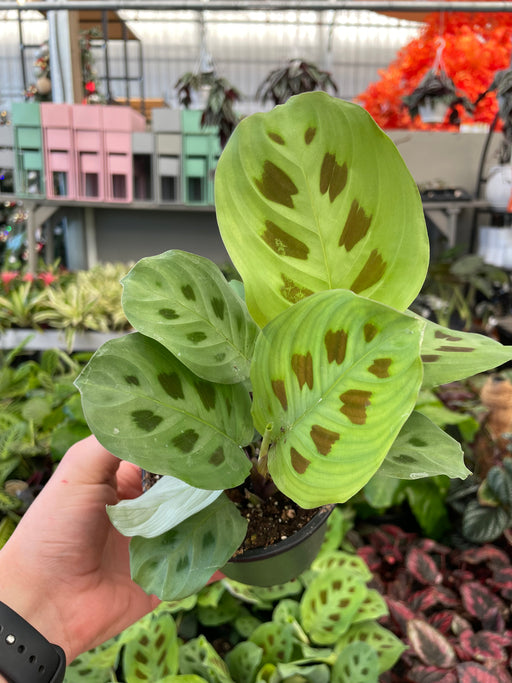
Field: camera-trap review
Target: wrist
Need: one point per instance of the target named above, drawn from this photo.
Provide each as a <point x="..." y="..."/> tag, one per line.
<point x="33" y="605"/>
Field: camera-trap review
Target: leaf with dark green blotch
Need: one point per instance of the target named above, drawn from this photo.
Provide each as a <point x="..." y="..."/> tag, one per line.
<point x="318" y="188"/>
<point x="412" y="457"/>
<point x="199" y="657"/>
<point x="175" y="570"/>
<point x="455" y="357"/>
<point x="387" y="646"/>
<point x="275" y="640"/>
<point x="348" y="417"/>
<point x="193" y="434"/>
<point x="356" y="663"/>
<point x="206" y="324"/>
<point x="155" y="654"/>
<point x="329" y="604"/>
<point x="243" y="661"/>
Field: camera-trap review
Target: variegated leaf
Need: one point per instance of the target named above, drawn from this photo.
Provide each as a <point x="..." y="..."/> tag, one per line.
<point x="314" y="185"/>
<point x="184" y="302"/>
<point x="180" y="561"/>
<point x="146" y="407"/>
<point x="422" y="449"/>
<point x="334" y="378"/>
<point x="449" y="355"/>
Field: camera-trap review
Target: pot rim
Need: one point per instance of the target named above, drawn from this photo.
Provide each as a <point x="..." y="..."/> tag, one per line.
<point x="288" y="543"/>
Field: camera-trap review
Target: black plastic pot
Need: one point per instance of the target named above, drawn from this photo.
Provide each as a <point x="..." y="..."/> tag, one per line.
<point x="284" y="560"/>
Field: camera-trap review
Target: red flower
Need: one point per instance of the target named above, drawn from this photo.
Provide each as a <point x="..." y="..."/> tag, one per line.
<point x="47" y="278"/>
<point x="90" y="87"/>
<point x="28" y="277"/>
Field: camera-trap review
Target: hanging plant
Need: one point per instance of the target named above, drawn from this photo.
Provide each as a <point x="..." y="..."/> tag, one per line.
<point x="296" y="77"/>
<point x="436" y="94"/>
<point x="502" y="86"/>
<point x="41" y="90"/>
<point x="90" y="78"/>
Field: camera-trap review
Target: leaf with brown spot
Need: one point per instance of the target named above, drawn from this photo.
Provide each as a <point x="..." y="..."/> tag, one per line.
<point x="337" y="416"/>
<point x="334" y="177"/>
<point x="465" y="354"/>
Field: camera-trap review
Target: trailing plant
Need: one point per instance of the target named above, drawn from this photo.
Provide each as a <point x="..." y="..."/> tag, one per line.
<point x="307" y="386"/>
<point x="437" y="86"/>
<point x="233" y="633"/>
<point x="40" y="418"/>
<point x="297" y="76"/>
<point x="450" y="606"/>
<point x="219" y="108"/>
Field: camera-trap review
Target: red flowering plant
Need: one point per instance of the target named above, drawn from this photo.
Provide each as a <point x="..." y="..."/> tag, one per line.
<point x="476" y="47"/>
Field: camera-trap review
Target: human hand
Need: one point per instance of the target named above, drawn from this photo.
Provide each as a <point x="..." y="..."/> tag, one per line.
<point x="66" y="568"/>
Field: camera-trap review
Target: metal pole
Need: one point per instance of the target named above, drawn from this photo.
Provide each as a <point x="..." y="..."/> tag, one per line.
<point x="281" y="5"/>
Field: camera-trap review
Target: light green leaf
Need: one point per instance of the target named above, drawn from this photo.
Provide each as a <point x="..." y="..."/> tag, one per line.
<point x="165" y="505"/>
<point x="184" y="302"/>
<point x="154" y="654"/>
<point x="199" y="657"/>
<point x="276" y="642"/>
<point x="449" y="355"/>
<point x="382" y="492"/>
<point x="373" y="607"/>
<point x="387" y="646"/>
<point x="146" y="407"/>
<point x="344" y="562"/>
<point x="313" y="183"/>
<point x="243" y="661"/>
<point x="423" y="450"/>
<point x="180" y="561"/>
<point x="303" y="672"/>
<point x="356" y="663"/>
<point x="330" y="603"/>
<point x="334" y="378"/>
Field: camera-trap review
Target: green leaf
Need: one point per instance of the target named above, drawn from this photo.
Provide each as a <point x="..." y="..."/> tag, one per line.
<point x="223" y="613"/>
<point x="180" y="561"/>
<point x="184" y="302"/>
<point x="387" y="646"/>
<point x="428" y="507"/>
<point x="499" y="481"/>
<point x="303" y="672"/>
<point x="373" y="607"/>
<point x="276" y="642"/>
<point x="482" y="524"/>
<point x="356" y="663"/>
<point x="153" y="655"/>
<point x="347" y="563"/>
<point x="423" y="450"/>
<point x="148" y="408"/>
<point x="382" y="492"/>
<point x="165" y="505"/>
<point x="450" y="355"/>
<point x="198" y="657"/>
<point x="329" y="604"/>
<point x="243" y="661"/>
<point x="313" y="183"/>
<point x="334" y="378"/>
<point x="36" y="409"/>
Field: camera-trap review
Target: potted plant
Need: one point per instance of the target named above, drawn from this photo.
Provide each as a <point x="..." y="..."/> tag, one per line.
<point x="434" y="96"/>
<point x="219" y="97"/>
<point x="309" y="383"/>
<point x="498" y="188"/>
<point x="297" y="76"/>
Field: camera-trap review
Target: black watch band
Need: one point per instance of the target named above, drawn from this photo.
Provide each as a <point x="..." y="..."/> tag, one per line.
<point x="25" y="655"/>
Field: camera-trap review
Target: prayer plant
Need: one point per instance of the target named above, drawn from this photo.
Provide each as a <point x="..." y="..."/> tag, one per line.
<point x="319" y="357"/>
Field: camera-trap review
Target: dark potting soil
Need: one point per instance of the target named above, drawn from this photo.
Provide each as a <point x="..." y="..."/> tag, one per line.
<point x="269" y="519"/>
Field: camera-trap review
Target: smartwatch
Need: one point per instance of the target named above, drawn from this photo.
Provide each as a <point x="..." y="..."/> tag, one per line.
<point x="25" y="655"/>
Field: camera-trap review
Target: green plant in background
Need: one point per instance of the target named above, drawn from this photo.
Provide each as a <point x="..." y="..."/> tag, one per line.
<point x="295" y="632"/>
<point x="40" y="417"/>
<point x="322" y="359"/>
<point x="462" y="290"/>
<point x="19" y="307"/>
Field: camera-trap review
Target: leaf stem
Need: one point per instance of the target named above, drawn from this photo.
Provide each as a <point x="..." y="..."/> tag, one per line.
<point x="262" y="457"/>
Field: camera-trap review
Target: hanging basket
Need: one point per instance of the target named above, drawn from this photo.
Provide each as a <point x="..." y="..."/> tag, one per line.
<point x="433" y="110"/>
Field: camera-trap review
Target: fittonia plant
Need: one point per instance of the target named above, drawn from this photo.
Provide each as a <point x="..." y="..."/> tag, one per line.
<point x="325" y="225"/>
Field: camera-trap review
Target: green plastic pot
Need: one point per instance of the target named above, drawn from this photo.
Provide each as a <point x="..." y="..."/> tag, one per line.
<point x="284" y="560"/>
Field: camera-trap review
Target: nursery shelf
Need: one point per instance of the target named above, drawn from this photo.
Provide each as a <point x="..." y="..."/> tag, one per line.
<point x="54" y="339"/>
